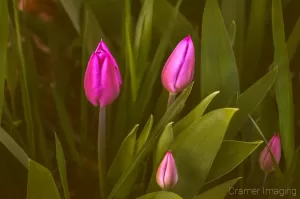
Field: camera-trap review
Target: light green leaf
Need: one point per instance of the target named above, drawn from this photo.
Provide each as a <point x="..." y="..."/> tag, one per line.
<point x="195" y="114"/>
<point x="3" y="49"/>
<point x="13" y="147"/>
<point x="231" y="33"/>
<point x="218" y="67"/>
<point x="218" y="192"/>
<point x="40" y="184"/>
<point x="283" y="84"/>
<point x="61" y="164"/>
<point x="144" y="135"/>
<point x="249" y="100"/>
<point x="171" y="113"/>
<point x="124" y="156"/>
<point x="160" y="195"/>
<point x="230" y="155"/>
<point x="72" y="8"/>
<point x="195" y="149"/>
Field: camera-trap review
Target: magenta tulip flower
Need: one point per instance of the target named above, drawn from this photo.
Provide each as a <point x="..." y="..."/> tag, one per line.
<point x="102" y="79"/>
<point x="166" y="176"/>
<point x="265" y="159"/>
<point x="178" y="71"/>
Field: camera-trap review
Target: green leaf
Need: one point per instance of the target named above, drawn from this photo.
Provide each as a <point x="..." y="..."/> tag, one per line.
<point x="129" y="58"/>
<point x="249" y="100"/>
<point x="124" y="156"/>
<point x="73" y="10"/>
<point x="40" y="184"/>
<point x="66" y="125"/>
<point x="3" y="49"/>
<point x="283" y="84"/>
<point x="230" y="155"/>
<point x="255" y="37"/>
<point x="293" y="41"/>
<point x="61" y="164"/>
<point x="217" y="57"/>
<point x="163" y="145"/>
<point x="171" y="113"/>
<point x="143" y="36"/>
<point x="155" y="67"/>
<point x="144" y="135"/>
<point x="13" y="147"/>
<point x="195" y="149"/>
<point x="195" y="114"/>
<point x="160" y="195"/>
<point x="26" y="103"/>
<point x="219" y="191"/>
<point x="231" y="33"/>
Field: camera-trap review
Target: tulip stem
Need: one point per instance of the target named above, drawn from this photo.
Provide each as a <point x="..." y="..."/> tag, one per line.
<point x="172" y="97"/>
<point x="265" y="179"/>
<point x="102" y="152"/>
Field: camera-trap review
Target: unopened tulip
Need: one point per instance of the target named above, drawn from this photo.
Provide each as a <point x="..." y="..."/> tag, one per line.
<point x="178" y="71"/>
<point x="265" y="158"/>
<point x="166" y="176"/>
<point x="102" y="79"/>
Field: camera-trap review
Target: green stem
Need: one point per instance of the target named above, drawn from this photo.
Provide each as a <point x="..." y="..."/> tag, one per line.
<point x="265" y="179"/>
<point x="102" y="152"/>
<point x="171" y="99"/>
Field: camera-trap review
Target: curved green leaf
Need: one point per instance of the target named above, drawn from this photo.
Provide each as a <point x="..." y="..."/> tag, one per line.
<point x="218" y="67"/>
<point x="144" y="135"/>
<point x="195" y="114"/>
<point x="249" y="100"/>
<point x="231" y="32"/>
<point x="124" y="156"/>
<point x="230" y="155"/>
<point x="195" y="149"/>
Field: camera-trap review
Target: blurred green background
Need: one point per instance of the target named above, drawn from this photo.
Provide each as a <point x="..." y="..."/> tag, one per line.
<point x="43" y="87"/>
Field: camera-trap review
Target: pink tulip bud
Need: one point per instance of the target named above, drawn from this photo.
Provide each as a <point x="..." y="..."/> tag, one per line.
<point x="166" y="176"/>
<point x="102" y="79"/>
<point x="265" y="158"/>
<point x="178" y="71"/>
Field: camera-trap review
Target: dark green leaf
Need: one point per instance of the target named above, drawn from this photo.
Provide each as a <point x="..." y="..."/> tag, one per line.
<point x="72" y="8"/>
<point x="283" y="84"/>
<point x="231" y="33"/>
<point x="144" y="135"/>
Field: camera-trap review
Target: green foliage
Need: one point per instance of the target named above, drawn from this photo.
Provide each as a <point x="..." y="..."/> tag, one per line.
<point x="240" y="94"/>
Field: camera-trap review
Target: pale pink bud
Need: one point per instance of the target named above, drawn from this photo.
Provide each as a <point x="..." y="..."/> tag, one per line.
<point x="166" y="175"/>
<point x="102" y="79"/>
<point x="265" y="158"/>
<point x="178" y="71"/>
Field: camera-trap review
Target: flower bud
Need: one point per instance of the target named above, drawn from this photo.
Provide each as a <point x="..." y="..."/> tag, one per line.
<point x="265" y="158"/>
<point x="166" y="176"/>
<point x="178" y="71"/>
<point x="102" y="79"/>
